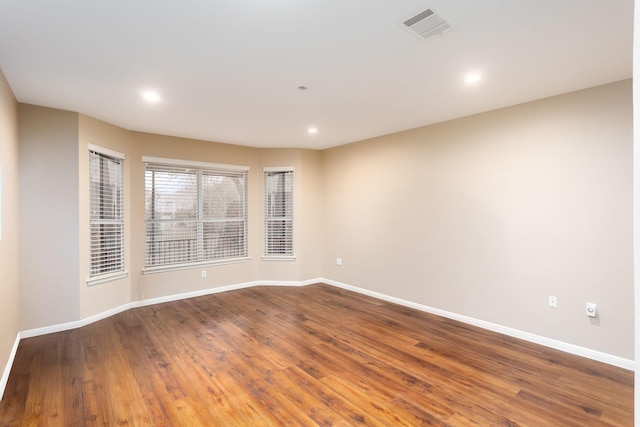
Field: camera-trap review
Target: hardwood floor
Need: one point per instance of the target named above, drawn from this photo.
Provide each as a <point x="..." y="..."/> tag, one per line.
<point x="316" y="355"/>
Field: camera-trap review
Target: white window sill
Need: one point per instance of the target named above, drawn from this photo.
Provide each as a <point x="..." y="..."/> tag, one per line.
<point x="107" y="278"/>
<point x="192" y="265"/>
<point x="279" y="258"/>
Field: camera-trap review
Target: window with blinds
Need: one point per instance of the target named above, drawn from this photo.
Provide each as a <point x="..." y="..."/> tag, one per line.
<point x="106" y="217"/>
<point x="194" y="214"/>
<point x="278" y="212"/>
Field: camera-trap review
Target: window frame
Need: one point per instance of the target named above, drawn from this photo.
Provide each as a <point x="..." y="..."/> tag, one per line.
<point x="105" y="276"/>
<point x="269" y="255"/>
<point x="200" y="169"/>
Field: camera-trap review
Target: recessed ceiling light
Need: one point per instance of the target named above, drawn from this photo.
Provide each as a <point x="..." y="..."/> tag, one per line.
<point x="151" y="96"/>
<point x="312" y="130"/>
<point x="472" y="78"/>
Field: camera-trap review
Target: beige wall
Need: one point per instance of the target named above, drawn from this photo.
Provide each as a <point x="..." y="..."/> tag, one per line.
<point x="488" y="215"/>
<point x="48" y="171"/>
<point x="100" y="297"/>
<point x="146" y="286"/>
<point x="176" y="282"/>
<point x="55" y="143"/>
<point x="307" y="192"/>
<point x="310" y="233"/>
<point x="484" y="216"/>
<point x="277" y="270"/>
<point x="9" y="318"/>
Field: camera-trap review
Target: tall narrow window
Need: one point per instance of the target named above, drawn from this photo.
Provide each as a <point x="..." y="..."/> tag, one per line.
<point x="278" y="215"/>
<point x="194" y="212"/>
<point x="106" y="218"/>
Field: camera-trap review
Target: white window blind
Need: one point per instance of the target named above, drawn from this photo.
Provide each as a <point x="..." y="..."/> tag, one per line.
<point x="194" y="214"/>
<point x="106" y="218"/>
<point x="278" y="216"/>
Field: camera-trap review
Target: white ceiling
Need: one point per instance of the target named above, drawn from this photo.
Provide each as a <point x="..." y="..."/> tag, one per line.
<point x="228" y="70"/>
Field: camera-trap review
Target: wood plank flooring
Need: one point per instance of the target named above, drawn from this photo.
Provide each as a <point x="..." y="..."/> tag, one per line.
<point x="315" y="355"/>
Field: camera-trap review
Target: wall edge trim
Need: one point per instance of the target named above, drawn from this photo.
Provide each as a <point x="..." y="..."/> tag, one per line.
<point x="7" y="369"/>
<point x="61" y="327"/>
<point x="515" y="333"/>
<point x="599" y="356"/>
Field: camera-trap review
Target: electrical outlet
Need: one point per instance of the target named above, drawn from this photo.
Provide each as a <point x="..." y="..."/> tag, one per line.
<point x="553" y="302"/>
<point x="338" y="261"/>
<point x="204" y="273"/>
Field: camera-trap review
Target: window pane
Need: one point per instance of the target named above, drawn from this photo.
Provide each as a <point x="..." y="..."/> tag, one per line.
<point x="224" y="239"/>
<point x="194" y="214"/>
<point x="106" y="248"/>
<point x="279" y="233"/>
<point x="222" y="196"/>
<point x="279" y="213"/>
<point x="171" y="242"/>
<point x="170" y="194"/>
<point x="106" y="214"/>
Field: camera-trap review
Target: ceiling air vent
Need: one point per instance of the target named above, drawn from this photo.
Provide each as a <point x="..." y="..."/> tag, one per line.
<point x="426" y="24"/>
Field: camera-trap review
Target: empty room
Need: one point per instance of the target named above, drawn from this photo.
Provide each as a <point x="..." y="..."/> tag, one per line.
<point x="277" y="212"/>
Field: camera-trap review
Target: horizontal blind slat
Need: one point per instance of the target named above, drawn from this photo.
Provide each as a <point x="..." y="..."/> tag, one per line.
<point x="106" y="214"/>
<point x="189" y="212"/>
<point x="278" y="213"/>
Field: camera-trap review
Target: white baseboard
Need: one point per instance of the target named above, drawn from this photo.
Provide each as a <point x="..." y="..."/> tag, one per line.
<point x="61" y="327"/>
<point x="537" y="339"/>
<point x="7" y="369"/>
<point x="526" y="336"/>
<point x="193" y="294"/>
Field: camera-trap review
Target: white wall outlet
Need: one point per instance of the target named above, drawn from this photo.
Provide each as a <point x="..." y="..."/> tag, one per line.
<point x="338" y="261"/>
<point x="592" y="309"/>
<point x="204" y="273"/>
<point x="553" y="302"/>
